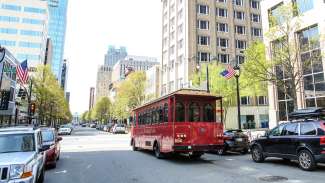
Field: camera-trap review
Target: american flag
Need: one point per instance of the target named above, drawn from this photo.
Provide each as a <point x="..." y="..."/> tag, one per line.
<point x="228" y="73"/>
<point x="22" y="72"/>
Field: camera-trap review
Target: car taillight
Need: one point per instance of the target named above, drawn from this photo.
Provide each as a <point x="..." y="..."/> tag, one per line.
<point x="227" y="137"/>
<point x="322" y="140"/>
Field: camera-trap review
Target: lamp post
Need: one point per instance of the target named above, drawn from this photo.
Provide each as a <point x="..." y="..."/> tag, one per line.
<point x="237" y="75"/>
<point x="198" y="66"/>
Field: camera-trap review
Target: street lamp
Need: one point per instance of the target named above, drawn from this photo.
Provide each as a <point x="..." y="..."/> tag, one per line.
<point x="237" y="75"/>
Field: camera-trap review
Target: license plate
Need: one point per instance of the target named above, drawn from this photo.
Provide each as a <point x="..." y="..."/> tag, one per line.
<point x="239" y="140"/>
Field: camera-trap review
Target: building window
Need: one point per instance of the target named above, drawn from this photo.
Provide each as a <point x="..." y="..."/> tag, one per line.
<point x="204" y="40"/>
<point x="257" y="32"/>
<point x="239" y="29"/>
<point x="180" y="29"/>
<point x="255" y="18"/>
<point x="222" y="42"/>
<point x="240" y="59"/>
<point x="203" y="56"/>
<point x="238" y="2"/>
<point x="180" y="14"/>
<point x="11" y="7"/>
<point x="222" y="27"/>
<point x="255" y="4"/>
<point x="30" y="33"/>
<point x="9" y="19"/>
<point x="303" y="5"/>
<point x="262" y="100"/>
<point x="223" y="58"/>
<point x="275" y="17"/>
<point x="172" y="21"/>
<point x="203" y="9"/>
<point x="30" y="45"/>
<point x="33" y="21"/>
<point x="221" y="12"/>
<point x="239" y="15"/>
<point x="245" y="100"/>
<point x="34" y="10"/>
<point x="311" y="57"/>
<point x="241" y="44"/>
<point x="180" y="44"/>
<point x="172" y="50"/>
<point x="7" y="43"/>
<point x="203" y="24"/>
<point x="8" y="31"/>
<point x="222" y="1"/>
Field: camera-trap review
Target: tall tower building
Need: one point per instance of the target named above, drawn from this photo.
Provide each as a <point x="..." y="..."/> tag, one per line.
<point x="91" y="98"/>
<point x="114" y="55"/>
<point x="201" y="31"/>
<point x="104" y="78"/>
<point x="57" y="30"/>
<point x="64" y="75"/>
<point x="23" y="29"/>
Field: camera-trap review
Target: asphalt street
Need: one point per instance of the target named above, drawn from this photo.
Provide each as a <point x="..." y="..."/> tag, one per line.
<point x="90" y="156"/>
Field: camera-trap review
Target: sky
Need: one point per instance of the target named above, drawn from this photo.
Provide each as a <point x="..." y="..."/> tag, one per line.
<point x="93" y="25"/>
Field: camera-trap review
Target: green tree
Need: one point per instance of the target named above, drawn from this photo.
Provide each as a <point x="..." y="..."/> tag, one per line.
<point x="226" y="88"/>
<point x="49" y="98"/>
<point x="130" y="94"/>
<point x="103" y="109"/>
<point x="283" y="69"/>
<point x="84" y="116"/>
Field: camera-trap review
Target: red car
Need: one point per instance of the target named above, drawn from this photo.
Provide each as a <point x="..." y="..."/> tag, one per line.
<point x="51" y="139"/>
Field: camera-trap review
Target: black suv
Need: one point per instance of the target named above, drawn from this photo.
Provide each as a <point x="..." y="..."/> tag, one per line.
<point x="302" y="139"/>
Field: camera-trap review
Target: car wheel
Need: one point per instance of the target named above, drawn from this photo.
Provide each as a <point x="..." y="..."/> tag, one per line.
<point x="306" y="160"/>
<point x="158" y="154"/>
<point x="222" y="151"/>
<point x="196" y="155"/>
<point x="134" y="148"/>
<point x="257" y="154"/>
<point x="41" y="177"/>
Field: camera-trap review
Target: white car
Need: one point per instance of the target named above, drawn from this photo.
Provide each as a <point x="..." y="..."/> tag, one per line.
<point x="21" y="155"/>
<point x="119" y="128"/>
<point x="64" y="130"/>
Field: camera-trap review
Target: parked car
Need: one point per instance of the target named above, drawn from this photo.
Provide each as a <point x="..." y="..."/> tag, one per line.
<point x="302" y="139"/>
<point x="64" y="130"/>
<point x="84" y="125"/>
<point x="51" y="139"/>
<point x="92" y="125"/>
<point x="119" y="128"/>
<point x="235" y="141"/>
<point x="21" y="155"/>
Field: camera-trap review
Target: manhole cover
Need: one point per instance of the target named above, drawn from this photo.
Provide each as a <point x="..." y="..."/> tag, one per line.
<point x="273" y="178"/>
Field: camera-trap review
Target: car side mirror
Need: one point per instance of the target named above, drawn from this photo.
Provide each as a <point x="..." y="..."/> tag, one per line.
<point x="267" y="133"/>
<point x="44" y="148"/>
<point x="59" y="139"/>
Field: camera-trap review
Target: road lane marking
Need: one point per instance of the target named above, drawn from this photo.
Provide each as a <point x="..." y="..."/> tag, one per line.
<point x="60" y="172"/>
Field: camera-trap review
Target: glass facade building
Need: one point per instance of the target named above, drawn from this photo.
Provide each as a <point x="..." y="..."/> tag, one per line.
<point x="57" y="30"/>
<point x="114" y="55"/>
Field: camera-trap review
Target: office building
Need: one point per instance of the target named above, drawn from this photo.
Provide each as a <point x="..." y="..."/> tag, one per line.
<point x="23" y="29"/>
<point x="91" y="98"/>
<point x="308" y="36"/>
<point x="104" y="78"/>
<point x="113" y="55"/>
<point x="57" y="31"/>
<point x="195" y="32"/>
<point x="132" y="63"/>
<point x="67" y="97"/>
<point x="152" y="89"/>
<point x="64" y="75"/>
<point x="202" y="31"/>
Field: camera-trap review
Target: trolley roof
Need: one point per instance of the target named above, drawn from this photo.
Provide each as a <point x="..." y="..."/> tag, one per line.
<point x="183" y="92"/>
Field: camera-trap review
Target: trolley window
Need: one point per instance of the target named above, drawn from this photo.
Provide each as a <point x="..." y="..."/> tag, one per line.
<point x="208" y="112"/>
<point x="166" y="113"/>
<point x="180" y="112"/>
<point x="194" y="112"/>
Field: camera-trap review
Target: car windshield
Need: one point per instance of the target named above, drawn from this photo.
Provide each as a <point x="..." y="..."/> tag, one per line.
<point x="48" y="136"/>
<point x="17" y="143"/>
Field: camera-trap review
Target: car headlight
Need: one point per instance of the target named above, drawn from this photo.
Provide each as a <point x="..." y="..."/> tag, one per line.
<point x="21" y="171"/>
<point x="16" y="171"/>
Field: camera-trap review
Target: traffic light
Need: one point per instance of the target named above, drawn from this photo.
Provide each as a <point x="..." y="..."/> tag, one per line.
<point x="32" y="108"/>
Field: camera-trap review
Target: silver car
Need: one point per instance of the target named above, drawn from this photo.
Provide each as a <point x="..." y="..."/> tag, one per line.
<point x="21" y="155"/>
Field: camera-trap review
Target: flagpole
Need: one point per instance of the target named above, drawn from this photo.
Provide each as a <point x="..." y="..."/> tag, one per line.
<point x="30" y="102"/>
